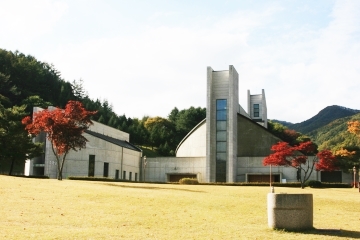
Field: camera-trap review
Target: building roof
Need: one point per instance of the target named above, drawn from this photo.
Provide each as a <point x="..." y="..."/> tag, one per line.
<point x="115" y="141"/>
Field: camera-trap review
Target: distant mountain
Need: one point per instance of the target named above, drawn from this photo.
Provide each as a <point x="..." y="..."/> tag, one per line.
<point x="334" y="135"/>
<point x="284" y="123"/>
<point x="323" y="118"/>
<point x="328" y="128"/>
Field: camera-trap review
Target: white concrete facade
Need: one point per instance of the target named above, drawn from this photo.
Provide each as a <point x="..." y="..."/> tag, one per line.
<point x="113" y="155"/>
<point x="193" y="144"/>
<point x="160" y="169"/>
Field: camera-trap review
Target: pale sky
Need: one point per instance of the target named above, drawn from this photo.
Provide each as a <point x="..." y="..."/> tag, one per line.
<point x="147" y="57"/>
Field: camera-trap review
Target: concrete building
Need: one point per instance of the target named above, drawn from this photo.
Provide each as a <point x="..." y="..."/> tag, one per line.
<point x="230" y="144"/>
<point x="108" y="153"/>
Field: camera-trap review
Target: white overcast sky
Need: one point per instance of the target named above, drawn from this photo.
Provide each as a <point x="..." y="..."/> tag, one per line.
<point x="147" y="57"/>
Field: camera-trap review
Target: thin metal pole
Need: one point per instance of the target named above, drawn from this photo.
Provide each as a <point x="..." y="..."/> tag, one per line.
<point x="271" y="187"/>
<point x="354" y="170"/>
<point x="270" y="176"/>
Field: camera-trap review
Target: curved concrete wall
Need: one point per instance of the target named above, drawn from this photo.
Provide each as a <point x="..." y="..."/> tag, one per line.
<point x="194" y="144"/>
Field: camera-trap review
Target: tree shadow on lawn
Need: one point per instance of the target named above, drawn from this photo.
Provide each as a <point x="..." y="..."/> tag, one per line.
<point x="329" y="232"/>
<point x="153" y="188"/>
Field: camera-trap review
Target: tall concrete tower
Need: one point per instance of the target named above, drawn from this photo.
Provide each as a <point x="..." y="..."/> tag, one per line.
<point x="257" y="108"/>
<point x="221" y="124"/>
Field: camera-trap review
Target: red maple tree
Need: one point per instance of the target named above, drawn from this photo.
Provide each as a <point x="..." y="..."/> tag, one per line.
<point x="64" y="129"/>
<point x="302" y="157"/>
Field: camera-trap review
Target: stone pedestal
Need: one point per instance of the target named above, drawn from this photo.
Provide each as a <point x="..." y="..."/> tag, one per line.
<point x="290" y="211"/>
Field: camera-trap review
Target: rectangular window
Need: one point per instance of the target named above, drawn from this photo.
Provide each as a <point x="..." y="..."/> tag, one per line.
<point x="221" y="115"/>
<point x="221" y="104"/>
<point x="221" y="125"/>
<point x="135" y="177"/>
<point x="124" y="175"/>
<point x="256" y="110"/>
<point x="106" y="169"/>
<point x="221" y="136"/>
<point x="221" y="147"/>
<point x="221" y="112"/>
<point x="116" y="174"/>
<point x="130" y="176"/>
<point x="91" y="171"/>
<point x="221" y="140"/>
<point x="221" y="157"/>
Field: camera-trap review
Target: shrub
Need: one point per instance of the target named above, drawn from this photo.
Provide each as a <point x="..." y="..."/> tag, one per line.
<point x="313" y="184"/>
<point x="188" y="181"/>
<point x="336" y="185"/>
<point x="100" y="179"/>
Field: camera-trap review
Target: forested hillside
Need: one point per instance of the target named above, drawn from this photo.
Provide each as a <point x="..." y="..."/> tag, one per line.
<point x="324" y="117"/>
<point x="335" y="136"/>
<point x="25" y="81"/>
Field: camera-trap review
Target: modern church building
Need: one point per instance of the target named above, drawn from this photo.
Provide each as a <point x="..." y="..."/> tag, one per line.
<point x="228" y="146"/>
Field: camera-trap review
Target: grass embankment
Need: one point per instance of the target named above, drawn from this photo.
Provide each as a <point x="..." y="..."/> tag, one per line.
<point x="51" y="209"/>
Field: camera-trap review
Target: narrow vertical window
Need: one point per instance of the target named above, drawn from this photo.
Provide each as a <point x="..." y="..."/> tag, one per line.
<point x="221" y="139"/>
<point x="124" y="175"/>
<point x="116" y="174"/>
<point x="91" y="171"/>
<point x="130" y="176"/>
<point x="256" y="110"/>
<point x="106" y="169"/>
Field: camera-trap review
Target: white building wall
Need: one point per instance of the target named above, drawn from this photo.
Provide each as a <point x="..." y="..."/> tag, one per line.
<point x="194" y="144"/>
<point x="77" y="162"/>
<point x="254" y="165"/>
<point x="158" y="169"/>
<point x="109" y="131"/>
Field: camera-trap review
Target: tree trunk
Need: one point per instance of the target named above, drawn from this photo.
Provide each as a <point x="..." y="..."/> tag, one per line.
<point x="61" y="166"/>
<point x="59" y="176"/>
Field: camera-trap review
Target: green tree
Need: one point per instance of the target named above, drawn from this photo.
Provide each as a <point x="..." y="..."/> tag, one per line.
<point x="160" y="130"/>
<point x="348" y="157"/>
<point x="288" y="135"/>
<point x="15" y="144"/>
<point x="78" y="90"/>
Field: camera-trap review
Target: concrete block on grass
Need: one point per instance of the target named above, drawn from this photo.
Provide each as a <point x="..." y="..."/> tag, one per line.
<point x="290" y="211"/>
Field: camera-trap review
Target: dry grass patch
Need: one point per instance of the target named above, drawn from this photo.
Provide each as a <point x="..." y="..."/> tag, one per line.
<point x="51" y="209"/>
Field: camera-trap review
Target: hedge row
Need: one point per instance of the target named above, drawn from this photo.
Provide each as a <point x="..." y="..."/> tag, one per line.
<point x="195" y="181"/>
<point x="101" y="179"/>
<point x="277" y="184"/>
<point x="104" y="179"/>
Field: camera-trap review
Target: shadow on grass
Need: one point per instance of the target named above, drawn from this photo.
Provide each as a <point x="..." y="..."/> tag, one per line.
<point x="153" y="188"/>
<point x="329" y="232"/>
<point x="337" y="233"/>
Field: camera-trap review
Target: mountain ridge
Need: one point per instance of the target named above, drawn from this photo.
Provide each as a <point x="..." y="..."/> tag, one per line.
<point x="324" y="117"/>
<point x="328" y="128"/>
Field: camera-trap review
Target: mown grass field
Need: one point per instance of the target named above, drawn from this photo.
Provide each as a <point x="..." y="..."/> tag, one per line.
<point x="52" y="209"/>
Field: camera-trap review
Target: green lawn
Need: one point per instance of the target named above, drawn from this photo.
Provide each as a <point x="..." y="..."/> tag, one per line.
<point x="51" y="209"/>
